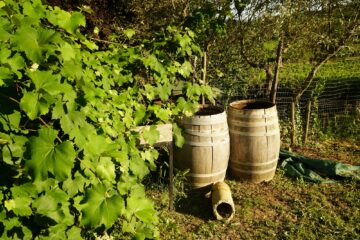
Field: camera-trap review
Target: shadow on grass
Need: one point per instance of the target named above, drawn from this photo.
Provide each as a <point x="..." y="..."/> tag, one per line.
<point x="196" y="204"/>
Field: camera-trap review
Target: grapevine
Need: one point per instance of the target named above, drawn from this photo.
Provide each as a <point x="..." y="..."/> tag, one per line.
<point x="69" y="156"/>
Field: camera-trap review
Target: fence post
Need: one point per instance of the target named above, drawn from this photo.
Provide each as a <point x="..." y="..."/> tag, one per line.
<point x="308" y="114"/>
<point x="293" y="124"/>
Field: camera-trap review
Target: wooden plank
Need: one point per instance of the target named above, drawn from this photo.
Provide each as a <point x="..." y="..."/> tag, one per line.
<point x="165" y="131"/>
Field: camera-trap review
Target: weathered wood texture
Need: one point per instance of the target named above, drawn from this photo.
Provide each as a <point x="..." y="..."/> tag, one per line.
<point x="206" y="150"/>
<point x="254" y="140"/>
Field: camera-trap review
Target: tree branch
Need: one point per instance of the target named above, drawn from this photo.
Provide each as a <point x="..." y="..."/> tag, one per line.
<point x="279" y="53"/>
<point x="252" y="64"/>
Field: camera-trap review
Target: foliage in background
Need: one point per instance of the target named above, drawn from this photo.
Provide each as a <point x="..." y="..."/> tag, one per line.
<point x="69" y="156"/>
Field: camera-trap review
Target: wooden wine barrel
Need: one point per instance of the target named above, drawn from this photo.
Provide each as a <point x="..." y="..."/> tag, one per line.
<point x="254" y="140"/>
<point x="206" y="150"/>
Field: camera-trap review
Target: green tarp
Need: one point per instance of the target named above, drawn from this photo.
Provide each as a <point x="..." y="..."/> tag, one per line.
<point x="316" y="170"/>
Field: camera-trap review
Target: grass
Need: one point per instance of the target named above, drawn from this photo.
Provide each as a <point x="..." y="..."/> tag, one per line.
<point x="292" y="74"/>
<point x="280" y="209"/>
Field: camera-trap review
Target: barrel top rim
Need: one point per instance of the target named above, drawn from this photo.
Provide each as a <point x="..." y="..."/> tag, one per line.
<point x="214" y="110"/>
<point x="244" y="103"/>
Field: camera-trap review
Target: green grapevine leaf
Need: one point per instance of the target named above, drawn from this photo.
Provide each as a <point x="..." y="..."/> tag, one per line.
<point x="186" y="107"/>
<point x="186" y="69"/>
<point x="153" y="63"/>
<point x="150" y="155"/>
<point x="208" y="92"/>
<point x="76" y="20"/>
<point x="16" y="62"/>
<point x="163" y="114"/>
<point x="193" y="90"/>
<point x="25" y="39"/>
<point x="15" y="149"/>
<point x="33" y="105"/>
<point x="72" y="69"/>
<point x="138" y="167"/>
<point x="105" y="169"/>
<point x="126" y="183"/>
<point x="24" y="190"/>
<point x="96" y="146"/>
<point x="57" y="231"/>
<point x="179" y="139"/>
<point x="101" y="207"/>
<point x="150" y="92"/>
<point x="36" y="11"/>
<point x="164" y="91"/>
<point x="10" y="121"/>
<point x="74" y="186"/>
<point x="142" y="208"/>
<point x="19" y="205"/>
<point x="67" y="51"/>
<point x="69" y="22"/>
<point x="46" y="156"/>
<point x="129" y="32"/>
<point x="4" y="55"/>
<point x="54" y="204"/>
<point x="139" y="114"/>
<point x="74" y="233"/>
<point x="45" y="80"/>
<point x="14" y="229"/>
<point x="151" y="134"/>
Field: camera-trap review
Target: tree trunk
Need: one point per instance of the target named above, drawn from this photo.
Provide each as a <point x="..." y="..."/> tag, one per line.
<point x="275" y="82"/>
<point x="269" y="79"/>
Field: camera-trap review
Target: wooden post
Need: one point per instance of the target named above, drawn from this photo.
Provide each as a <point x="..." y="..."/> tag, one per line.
<point x="171" y="177"/>
<point x="204" y="78"/>
<point x="195" y="70"/>
<point x="308" y="114"/>
<point x="293" y="124"/>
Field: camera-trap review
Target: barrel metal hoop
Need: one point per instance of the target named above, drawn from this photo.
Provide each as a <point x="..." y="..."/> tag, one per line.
<point x="206" y="144"/>
<point x="256" y="134"/>
<point x="256" y="164"/>
<point x="209" y="133"/>
<point x="254" y="116"/>
<point x="253" y="171"/>
<point x="252" y="124"/>
<point x="206" y="174"/>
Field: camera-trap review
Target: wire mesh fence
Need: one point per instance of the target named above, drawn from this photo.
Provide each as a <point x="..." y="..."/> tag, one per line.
<point x="334" y="109"/>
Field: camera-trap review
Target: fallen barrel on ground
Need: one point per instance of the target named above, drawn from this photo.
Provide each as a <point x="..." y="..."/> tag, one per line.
<point x="254" y="140"/>
<point x="206" y="150"/>
<point x="222" y="202"/>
